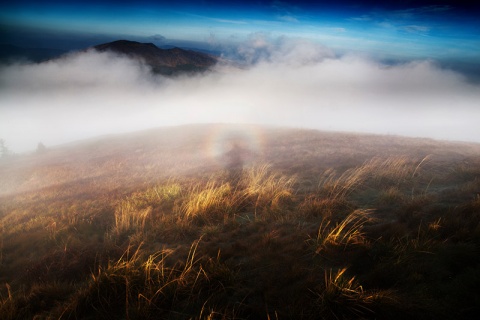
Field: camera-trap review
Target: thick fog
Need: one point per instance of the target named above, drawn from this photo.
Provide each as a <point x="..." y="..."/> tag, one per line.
<point x="287" y="82"/>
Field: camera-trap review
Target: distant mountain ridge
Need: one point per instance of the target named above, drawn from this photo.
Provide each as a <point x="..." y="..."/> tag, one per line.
<point x="9" y="53"/>
<point x="163" y="61"/>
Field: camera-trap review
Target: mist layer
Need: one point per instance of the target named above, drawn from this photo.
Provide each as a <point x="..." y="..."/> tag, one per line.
<point x="290" y="82"/>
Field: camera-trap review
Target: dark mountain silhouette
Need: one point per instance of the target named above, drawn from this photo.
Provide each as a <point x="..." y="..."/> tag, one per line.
<point x="164" y="61"/>
<point x="14" y="53"/>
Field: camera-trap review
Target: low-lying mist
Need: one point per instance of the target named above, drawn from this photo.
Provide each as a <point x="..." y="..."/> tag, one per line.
<point x="87" y="94"/>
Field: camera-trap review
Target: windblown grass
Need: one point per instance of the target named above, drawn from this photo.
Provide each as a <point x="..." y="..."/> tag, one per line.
<point x="347" y="232"/>
<point x="133" y="213"/>
<point x="342" y="297"/>
<point x="314" y="226"/>
<point x="336" y="187"/>
<point x="150" y="287"/>
<point x="267" y="190"/>
<point x="210" y="202"/>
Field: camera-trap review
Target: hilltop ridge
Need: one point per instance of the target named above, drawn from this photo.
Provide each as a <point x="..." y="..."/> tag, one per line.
<point x="163" y="61"/>
<point x="144" y="156"/>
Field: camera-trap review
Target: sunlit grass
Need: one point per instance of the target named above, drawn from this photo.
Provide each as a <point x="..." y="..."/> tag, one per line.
<point x="139" y="286"/>
<point x="210" y="202"/>
<point x="342" y="297"/>
<point x="335" y="187"/>
<point x="348" y="231"/>
<point x="318" y="227"/>
<point x="267" y="189"/>
<point x="133" y="213"/>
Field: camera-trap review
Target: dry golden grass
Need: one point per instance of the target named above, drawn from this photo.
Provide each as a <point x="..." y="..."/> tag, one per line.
<point x="381" y="214"/>
<point x="336" y="187"/>
<point x="348" y="231"/>
<point x="149" y="286"/>
<point x="210" y="202"/>
<point x="128" y="217"/>
<point x="266" y="189"/>
<point x="136" y="211"/>
<point x="343" y="297"/>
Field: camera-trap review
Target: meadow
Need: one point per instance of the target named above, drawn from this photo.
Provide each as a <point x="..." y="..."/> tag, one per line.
<point x="241" y="222"/>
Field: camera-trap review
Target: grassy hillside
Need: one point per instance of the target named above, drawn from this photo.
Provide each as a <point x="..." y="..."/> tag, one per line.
<point x="241" y="222"/>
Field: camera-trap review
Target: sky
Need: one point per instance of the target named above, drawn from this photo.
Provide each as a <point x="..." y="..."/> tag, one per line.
<point x="396" y="30"/>
<point x="403" y="67"/>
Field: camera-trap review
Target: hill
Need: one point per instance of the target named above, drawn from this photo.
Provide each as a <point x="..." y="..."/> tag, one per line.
<point x="191" y="149"/>
<point x="241" y="221"/>
<point x="9" y="53"/>
<point x="164" y="61"/>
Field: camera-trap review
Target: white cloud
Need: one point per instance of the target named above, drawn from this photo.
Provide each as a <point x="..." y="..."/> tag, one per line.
<point x="287" y="18"/>
<point x="229" y="21"/>
<point x="262" y="47"/>
<point x="80" y="71"/>
<point x="416" y="29"/>
<point x="285" y="11"/>
<point x="362" y="18"/>
<point x="293" y="83"/>
<point x="421" y="11"/>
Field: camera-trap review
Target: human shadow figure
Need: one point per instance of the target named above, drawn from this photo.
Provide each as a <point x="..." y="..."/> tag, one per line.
<point x="235" y="159"/>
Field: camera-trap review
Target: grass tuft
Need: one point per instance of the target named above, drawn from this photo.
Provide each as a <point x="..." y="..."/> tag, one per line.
<point x="345" y="233"/>
<point x="342" y="297"/>
<point x="210" y="202"/>
<point x="267" y="190"/>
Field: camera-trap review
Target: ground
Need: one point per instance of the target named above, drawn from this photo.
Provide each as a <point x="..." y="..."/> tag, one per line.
<point x="241" y="222"/>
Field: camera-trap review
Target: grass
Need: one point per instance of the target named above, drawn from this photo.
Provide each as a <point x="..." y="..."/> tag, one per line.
<point x="267" y="190"/>
<point x="342" y="297"/>
<point x="317" y="225"/>
<point x="345" y="233"/>
<point x="210" y="202"/>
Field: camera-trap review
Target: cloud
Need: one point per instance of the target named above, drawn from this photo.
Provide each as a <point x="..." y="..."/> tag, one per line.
<point x="362" y="18"/>
<point x="229" y="21"/>
<point x="421" y="11"/>
<point x="285" y="11"/>
<point x="85" y="71"/>
<point x="398" y="26"/>
<point x="158" y="38"/>
<point x="405" y="14"/>
<point x="416" y="29"/>
<point x="411" y="20"/>
<point x="287" y="18"/>
<point x="262" y="47"/>
<point x="338" y="29"/>
<point x="302" y="84"/>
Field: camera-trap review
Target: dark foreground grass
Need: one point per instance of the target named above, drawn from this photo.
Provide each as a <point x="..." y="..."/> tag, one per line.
<point x="385" y="236"/>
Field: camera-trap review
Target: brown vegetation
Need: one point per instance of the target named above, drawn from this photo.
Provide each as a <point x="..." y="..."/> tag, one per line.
<point x="318" y="226"/>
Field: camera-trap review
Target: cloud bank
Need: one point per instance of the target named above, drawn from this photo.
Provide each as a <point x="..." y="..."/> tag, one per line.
<point x="289" y="82"/>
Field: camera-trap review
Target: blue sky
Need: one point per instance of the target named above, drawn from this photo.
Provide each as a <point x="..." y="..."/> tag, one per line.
<point x="396" y="30"/>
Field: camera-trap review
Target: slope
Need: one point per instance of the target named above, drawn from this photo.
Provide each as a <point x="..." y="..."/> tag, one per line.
<point x="241" y="221"/>
<point x="163" y="61"/>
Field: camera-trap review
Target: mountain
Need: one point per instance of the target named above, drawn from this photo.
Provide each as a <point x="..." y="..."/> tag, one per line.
<point x="163" y="61"/>
<point x="14" y="53"/>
